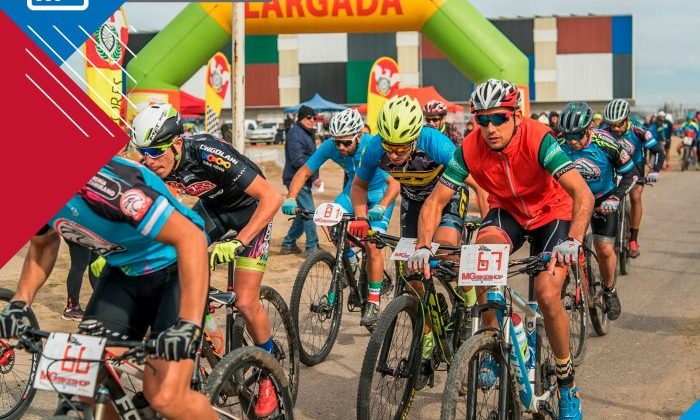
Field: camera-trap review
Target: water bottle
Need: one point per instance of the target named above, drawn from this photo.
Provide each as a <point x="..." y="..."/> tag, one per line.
<point x="520" y="336"/>
<point x="214" y="333"/>
<point x="352" y="256"/>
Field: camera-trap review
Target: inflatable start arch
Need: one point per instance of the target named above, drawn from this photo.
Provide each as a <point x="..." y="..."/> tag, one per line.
<point x="467" y="38"/>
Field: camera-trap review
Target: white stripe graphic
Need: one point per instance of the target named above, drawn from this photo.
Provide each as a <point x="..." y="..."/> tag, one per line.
<point x="110" y="58"/>
<point x="56" y="105"/>
<point x="97" y="95"/>
<point x="69" y="92"/>
<point x="160" y="208"/>
<point x="88" y="60"/>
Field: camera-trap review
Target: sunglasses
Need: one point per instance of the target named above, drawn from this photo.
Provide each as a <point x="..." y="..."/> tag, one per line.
<point x="397" y="149"/>
<point x="573" y="136"/>
<point x="309" y="117"/>
<point x="345" y="143"/>
<point x="497" y="119"/>
<point x="433" y="119"/>
<point x="153" y="152"/>
<point x="618" y="124"/>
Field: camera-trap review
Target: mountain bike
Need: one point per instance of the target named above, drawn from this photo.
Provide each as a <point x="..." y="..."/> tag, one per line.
<point x="317" y="297"/>
<point x="231" y="384"/>
<point x="525" y="378"/>
<point x="392" y="360"/>
<point x="16" y="372"/>
<point x="234" y="333"/>
<point x="688" y="158"/>
<point x="583" y="292"/>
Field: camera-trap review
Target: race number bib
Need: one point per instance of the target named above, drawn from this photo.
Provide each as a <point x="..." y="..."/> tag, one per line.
<point x="484" y="265"/>
<point x="328" y="214"/>
<point x="65" y="364"/>
<point x="406" y="246"/>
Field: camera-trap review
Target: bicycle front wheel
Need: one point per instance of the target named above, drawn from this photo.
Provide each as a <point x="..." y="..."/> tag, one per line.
<point x="17" y="369"/>
<point x="596" y="306"/>
<point x="317" y="307"/>
<point x="574" y="300"/>
<point x="624" y="233"/>
<point x="386" y="383"/>
<point x="233" y="384"/>
<point x="465" y="396"/>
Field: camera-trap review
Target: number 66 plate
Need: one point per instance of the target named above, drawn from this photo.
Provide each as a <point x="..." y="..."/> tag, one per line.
<point x="66" y="364"/>
<point x="484" y="265"/>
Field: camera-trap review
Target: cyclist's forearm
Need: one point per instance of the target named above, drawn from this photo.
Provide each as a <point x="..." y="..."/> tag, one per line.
<point x="38" y="264"/>
<point x="392" y="191"/>
<point x="194" y="277"/>
<point x="583" y="208"/>
<point x="427" y="222"/>
<point x="263" y="215"/>
<point x="626" y="183"/>
<point x="358" y="197"/>
<point x="297" y="183"/>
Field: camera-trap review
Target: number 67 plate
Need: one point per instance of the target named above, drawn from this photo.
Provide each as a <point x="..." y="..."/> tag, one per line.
<point x="66" y="364"/>
<point x="484" y="265"/>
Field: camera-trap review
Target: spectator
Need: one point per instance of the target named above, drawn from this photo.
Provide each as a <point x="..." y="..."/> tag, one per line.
<point x="300" y="145"/>
<point x="554" y="123"/>
<point x="470" y="127"/>
<point x="288" y="123"/>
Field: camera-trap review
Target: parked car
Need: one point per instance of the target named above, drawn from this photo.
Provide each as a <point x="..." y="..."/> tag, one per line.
<point x="264" y="133"/>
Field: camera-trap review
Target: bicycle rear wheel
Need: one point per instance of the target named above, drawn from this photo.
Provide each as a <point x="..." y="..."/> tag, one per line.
<point x="574" y="300"/>
<point x="317" y="307"/>
<point x="284" y="335"/>
<point x="17" y="369"/>
<point x="463" y="397"/>
<point x="386" y="389"/>
<point x="232" y="385"/>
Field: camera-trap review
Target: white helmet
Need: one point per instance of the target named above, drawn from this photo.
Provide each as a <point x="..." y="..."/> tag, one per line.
<point x="661" y="114"/>
<point x="495" y="93"/>
<point x="156" y="125"/>
<point x="346" y="123"/>
<point x="617" y="110"/>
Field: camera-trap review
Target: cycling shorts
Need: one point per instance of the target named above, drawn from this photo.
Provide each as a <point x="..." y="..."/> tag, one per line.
<point x="542" y="239"/>
<point x="127" y="306"/>
<point x="452" y="215"/>
<point x="604" y="226"/>
<point x="372" y="200"/>
<point x="218" y="222"/>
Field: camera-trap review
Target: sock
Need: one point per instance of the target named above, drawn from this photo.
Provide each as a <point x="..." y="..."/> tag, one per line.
<point x="565" y="372"/>
<point x="267" y="346"/>
<point x="633" y="234"/>
<point x="374" y="289"/>
<point x="605" y="289"/>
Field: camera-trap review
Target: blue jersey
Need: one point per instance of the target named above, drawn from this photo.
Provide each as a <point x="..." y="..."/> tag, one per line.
<point x="119" y="213"/>
<point x="599" y="162"/>
<point x="421" y="171"/>
<point x="634" y="141"/>
<point x="328" y="151"/>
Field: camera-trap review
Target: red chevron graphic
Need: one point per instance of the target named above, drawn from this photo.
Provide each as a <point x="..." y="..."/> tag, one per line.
<point x="55" y="139"/>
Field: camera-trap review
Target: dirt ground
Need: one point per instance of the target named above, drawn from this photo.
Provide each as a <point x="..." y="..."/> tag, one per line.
<point x="647" y="367"/>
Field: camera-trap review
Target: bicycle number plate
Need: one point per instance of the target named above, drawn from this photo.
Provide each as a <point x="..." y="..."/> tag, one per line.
<point x="687" y="141"/>
<point x="328" y="214"/>
<point x="65" y="365"/>
<point x="406" y="246"/>
<point x="484" y="265"/>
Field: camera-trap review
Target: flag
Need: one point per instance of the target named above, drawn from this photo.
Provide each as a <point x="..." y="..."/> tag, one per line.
<point x="383" y="84"/>
<point x="104" y="51"/>
<point x="217" y="84"/>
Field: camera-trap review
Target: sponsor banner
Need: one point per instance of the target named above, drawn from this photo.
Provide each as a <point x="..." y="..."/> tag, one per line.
<point x="217" y="84"/>
<point x="383" y="84"/>
<point x="104" y="52"/>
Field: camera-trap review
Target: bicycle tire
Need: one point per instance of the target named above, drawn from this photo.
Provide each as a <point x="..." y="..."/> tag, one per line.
<point x="26" y="390"/>
<point x="459" y="374"/>
<point x="384" y="334"/>
<point x="231" y="372"/>
<point x="596" y="307"/>
<point x="624" y="231"/>
<point x="308" y="355"/>
<point x="545" y="375"/>
<point x="574" y="300"/>
<point x="288" y="355"/>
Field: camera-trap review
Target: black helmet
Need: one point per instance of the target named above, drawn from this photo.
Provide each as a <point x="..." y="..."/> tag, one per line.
<point x="575" y="118"/>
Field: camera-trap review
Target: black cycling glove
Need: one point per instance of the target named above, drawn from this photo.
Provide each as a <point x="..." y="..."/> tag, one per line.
<point x="15" y="314"/>
<point x="179" y="341"/>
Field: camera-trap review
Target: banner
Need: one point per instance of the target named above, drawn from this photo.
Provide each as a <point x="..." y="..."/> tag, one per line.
<point x="104" y="51"/>
<point x="217" y="84"/>
<point x="383" y="84"/>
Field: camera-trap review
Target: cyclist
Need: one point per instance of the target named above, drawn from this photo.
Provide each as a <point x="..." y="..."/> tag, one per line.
<point x="634" y="139"/>
<point x="158" y="277"/>
<point x="233" y="195"/>
<point x="599" y="159"/>
<point x="435" y="113"/>
<point x="597" y="120"/>
<point x="345" y="147"/>
<point x="414" y="155"/>
<point x="690" y="130"/>
<point x="531" y="184"/>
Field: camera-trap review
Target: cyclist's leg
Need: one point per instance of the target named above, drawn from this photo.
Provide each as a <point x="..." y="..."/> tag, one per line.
<point x="375" y="258"/>
<point x="635" y="197"/>
<point x="604" y="229"/>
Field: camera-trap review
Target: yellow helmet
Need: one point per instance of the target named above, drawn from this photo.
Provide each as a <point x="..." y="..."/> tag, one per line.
<point x="400" y="120"/>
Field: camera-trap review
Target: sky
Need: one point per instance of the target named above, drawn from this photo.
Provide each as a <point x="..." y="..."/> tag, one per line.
<point x="667" y="68"/>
